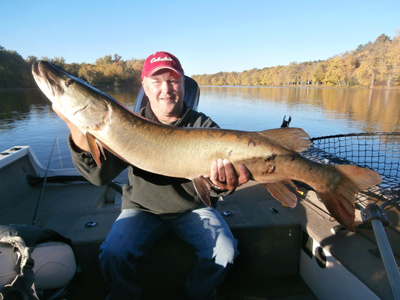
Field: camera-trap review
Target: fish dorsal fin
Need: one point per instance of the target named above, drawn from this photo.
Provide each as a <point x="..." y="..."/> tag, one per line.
<point x="295" y="139"/>
<point x="203" y="189"/>
<point x="281" y="192"/>
<point x="95" y="149"/>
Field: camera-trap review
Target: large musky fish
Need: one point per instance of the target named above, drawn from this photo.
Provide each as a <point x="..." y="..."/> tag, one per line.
<point x="271" y="156"/>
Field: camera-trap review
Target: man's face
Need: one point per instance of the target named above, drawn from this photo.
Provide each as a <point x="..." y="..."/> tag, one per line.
<point x="165" y="90"/>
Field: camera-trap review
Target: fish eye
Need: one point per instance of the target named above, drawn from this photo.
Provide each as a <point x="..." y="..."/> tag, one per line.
<point x="69" y="82"/>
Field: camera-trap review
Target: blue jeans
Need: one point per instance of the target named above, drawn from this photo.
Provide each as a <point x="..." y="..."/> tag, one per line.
<point x="135" y="231"/>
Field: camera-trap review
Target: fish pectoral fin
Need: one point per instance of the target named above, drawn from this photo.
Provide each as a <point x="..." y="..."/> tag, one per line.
<point x="96" y="149"/>
<point x="281" y="192"/>
<point x="203" y="188"/>
<point x="295" y="139"/>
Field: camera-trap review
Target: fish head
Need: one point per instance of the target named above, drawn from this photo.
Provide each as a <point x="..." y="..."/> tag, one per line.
<point x="82" y="104"/>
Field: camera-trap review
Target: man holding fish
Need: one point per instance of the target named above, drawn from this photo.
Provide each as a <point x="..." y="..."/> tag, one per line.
<point x="152" y="204"/>
<point x="169" y="170"/>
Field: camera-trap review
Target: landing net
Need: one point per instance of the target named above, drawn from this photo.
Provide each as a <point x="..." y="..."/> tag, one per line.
<point x="379" y="151"/>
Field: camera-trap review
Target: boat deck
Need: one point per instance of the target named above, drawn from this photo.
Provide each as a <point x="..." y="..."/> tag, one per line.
<point x="277" y="244"/>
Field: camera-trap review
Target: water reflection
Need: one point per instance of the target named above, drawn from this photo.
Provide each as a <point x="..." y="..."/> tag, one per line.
<point x="361" y="109"/>
<point x="16" y="105"/>
<point x="26" y="117"/>
<point x="125" y="95"/>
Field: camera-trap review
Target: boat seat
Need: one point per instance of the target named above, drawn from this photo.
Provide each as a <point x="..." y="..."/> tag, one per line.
<point x="192" y="94"/>
<point x="54" y="265"/>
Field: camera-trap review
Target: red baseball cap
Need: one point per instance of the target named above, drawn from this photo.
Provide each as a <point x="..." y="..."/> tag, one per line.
<point x="161" y="60"/>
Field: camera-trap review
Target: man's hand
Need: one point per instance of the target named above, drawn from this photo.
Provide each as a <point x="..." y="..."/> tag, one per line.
<point x="77" y="136"/>
<point x="224" y="175"/>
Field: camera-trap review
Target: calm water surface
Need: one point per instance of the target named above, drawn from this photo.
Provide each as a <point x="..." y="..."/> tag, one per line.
<point x="26" y="117"/>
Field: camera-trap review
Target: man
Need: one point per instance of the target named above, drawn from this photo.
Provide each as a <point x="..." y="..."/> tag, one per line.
<point x="153" y="204"/>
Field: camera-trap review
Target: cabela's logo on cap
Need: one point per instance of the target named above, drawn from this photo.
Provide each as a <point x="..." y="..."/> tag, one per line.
<point x="161" y="60"/>
<point x="153" y="60"/>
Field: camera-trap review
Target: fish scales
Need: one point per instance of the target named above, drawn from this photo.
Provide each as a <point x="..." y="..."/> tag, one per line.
<point x="151" y="147"/>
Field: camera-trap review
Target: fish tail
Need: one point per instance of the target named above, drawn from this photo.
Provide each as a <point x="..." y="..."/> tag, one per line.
<point x="340" y="200"/>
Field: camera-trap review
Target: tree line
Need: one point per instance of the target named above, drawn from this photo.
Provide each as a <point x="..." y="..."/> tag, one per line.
<point x="373" y="64"/>
<point x="106" y="71"/>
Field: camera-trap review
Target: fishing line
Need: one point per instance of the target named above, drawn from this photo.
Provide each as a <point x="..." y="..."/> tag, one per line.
<point x="59" y="153"/>
<point x="44" y="183"/>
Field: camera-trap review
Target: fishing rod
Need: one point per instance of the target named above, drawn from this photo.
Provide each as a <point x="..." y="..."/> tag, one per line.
<point x="44" y="183"/>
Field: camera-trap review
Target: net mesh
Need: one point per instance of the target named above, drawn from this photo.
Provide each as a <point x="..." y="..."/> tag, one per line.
<point x="379" y="151"/>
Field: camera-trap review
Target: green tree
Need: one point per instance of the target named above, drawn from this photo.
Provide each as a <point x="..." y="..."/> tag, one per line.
<point x="12" y="69"/>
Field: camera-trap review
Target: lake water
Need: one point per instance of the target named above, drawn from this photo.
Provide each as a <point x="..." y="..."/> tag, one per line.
<point x="26" y="116"/>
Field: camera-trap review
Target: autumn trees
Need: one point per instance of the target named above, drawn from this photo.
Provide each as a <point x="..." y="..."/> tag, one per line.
<point x="112" y="70"/>
<point x="373" y="64"/>
<point x="106" y="71"/>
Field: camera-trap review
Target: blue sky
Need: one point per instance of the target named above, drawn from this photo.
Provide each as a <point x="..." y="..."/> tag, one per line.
<point x="208" y="36"/>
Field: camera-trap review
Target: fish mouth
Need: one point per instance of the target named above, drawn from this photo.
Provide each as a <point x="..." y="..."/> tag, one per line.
<point x="48" y="74"/>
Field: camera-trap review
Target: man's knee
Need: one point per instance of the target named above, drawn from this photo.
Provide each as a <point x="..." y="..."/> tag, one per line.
<point x="113" y="253"/>
<point x="227" y="253"/>
<point x="223" y="253"/>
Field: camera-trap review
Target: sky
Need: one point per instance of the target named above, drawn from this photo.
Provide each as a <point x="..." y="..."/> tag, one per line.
<point x="208" y="36"/>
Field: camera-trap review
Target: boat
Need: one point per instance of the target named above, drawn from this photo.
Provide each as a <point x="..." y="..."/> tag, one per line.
<point x="285" y="253"/>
